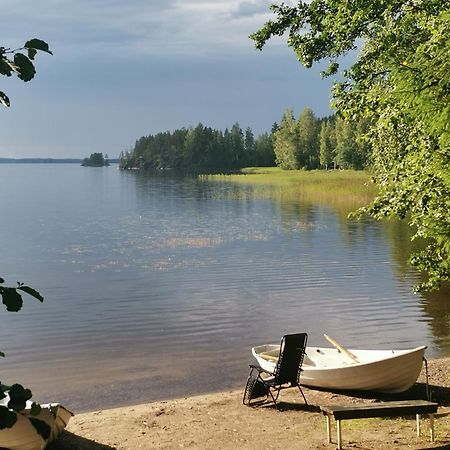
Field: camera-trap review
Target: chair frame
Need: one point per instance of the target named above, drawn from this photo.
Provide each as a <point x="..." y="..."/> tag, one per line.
<point x="286" y="374"/>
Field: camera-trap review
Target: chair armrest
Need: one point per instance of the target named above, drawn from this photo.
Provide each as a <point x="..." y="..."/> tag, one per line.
<point x="260" y="369"/>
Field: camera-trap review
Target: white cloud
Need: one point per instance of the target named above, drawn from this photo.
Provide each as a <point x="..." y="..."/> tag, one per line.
<point x="123" y="68"/>
<point x="137" y="26"/>
<point x="250" y="9"/>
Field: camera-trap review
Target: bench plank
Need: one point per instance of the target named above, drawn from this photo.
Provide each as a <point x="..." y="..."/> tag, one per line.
<point x="385" y="409"/>
<point x="382" y="409"/>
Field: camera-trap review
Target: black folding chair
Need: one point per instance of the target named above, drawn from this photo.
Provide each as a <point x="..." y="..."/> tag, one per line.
<point x="286" y="374"/>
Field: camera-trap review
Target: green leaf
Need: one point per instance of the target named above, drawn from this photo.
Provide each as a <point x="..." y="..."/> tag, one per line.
<point x="4" y="100"/>
<point x="32" y="292"/>
<point x="25" y="67"/>
<point x="38" y="44"/>
<point x="41" y="427"/>
<point x="18" y="397"/>
<point x="11" y="299"/>
<point x="2" y="354"/>
<point x="7" y="418"/>
<point x="4" y="388"/>
<point x="32" y="53"/>
<point x="35" y="409"/>
<point x="1" y="280"/>
<point x="5" y="67"/>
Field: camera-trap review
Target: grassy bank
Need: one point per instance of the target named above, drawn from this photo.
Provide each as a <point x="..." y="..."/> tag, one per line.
<point x="347" y="188"/>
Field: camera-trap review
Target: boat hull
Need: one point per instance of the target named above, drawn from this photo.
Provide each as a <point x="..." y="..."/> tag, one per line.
<point x="23" y="435"/>
<point x="385" y="371"/>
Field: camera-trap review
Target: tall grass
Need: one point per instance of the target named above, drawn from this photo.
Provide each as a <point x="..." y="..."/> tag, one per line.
<point x="348" y="189"/>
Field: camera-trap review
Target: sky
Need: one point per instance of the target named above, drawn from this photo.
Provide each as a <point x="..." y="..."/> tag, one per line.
<point x="122" y="69"/>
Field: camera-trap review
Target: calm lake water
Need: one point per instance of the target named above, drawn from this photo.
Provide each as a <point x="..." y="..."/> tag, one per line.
<point x="157" y="287"/>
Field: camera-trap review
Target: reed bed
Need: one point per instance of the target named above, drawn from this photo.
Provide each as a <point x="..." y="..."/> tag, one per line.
<point x="348" y="189"/>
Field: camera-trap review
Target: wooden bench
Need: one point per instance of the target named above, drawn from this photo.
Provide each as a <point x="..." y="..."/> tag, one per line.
<point x="382" y="409"/>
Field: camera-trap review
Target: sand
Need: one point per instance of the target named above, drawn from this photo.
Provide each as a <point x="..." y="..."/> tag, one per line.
<point x="221" y="421"/>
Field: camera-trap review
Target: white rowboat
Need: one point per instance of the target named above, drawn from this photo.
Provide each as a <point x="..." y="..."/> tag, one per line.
<point x="24" y="436"/>
<point x="386" y="371"/>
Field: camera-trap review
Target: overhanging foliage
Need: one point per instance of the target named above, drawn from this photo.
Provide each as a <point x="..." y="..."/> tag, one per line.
<point x="400" y="84"/>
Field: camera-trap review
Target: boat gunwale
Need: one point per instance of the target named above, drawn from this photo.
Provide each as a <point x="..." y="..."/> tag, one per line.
<point x="310" y="367"/>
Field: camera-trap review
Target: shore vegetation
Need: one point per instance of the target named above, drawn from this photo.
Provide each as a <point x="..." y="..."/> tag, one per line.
<point x="399" y="86"/>
<point x="307" y="142"/>
<point x="348" y="189"/>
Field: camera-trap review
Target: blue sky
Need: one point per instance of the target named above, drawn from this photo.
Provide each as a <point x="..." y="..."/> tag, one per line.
<point x="124" y="69"/>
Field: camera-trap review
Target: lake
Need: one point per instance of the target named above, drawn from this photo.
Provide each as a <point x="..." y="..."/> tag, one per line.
<point x="157" y="287"/>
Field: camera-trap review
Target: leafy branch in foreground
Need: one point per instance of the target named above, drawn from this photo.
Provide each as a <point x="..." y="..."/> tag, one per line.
<point x="12" y="298"/>
<point x="13" y="61"/>
<point x="16" y="62"/>
<point x="17" y="394"/>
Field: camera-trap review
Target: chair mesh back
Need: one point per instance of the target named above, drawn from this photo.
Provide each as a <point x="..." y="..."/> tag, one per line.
<point x="292" y="351"/>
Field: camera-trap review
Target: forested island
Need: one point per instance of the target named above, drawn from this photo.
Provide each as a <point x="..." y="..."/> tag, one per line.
<point x="304" y="143"/>
<point x="96" y="160"/>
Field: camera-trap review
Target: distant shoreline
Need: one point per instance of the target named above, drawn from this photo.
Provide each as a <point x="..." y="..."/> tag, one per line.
<point x="46" y="161"/>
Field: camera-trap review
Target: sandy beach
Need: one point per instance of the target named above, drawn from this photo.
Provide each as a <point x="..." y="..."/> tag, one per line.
<point x="221" y="421"/>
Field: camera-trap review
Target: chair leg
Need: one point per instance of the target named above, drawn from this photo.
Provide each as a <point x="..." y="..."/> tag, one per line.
<point x="304" y="398"/>
<point x="253" y="395"/>
<point x="246" y="396"/>
<point x="278" y="394"/>
<point x="274" y="399"/>
<point x="245" y="400"/>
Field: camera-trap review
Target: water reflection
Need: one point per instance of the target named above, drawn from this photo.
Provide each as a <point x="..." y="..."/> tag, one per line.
<point x="436" y="307"/>
<point x="306" y="215"/>
<point x="149" y="279"/>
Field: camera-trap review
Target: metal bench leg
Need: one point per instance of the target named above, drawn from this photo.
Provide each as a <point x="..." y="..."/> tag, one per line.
<point x="328" y="429"/>
<point x="432" y="427"/>
<point x="339" y="434"/>
<point x="431" y="416"/>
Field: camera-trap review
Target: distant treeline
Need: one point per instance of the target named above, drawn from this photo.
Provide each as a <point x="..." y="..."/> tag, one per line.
<point x="304" y="143"/>
<point x="200" y="148"/>
<point x="47" y="161"/>
<point x="311" y="143"/>
<point x="38" y="161"/>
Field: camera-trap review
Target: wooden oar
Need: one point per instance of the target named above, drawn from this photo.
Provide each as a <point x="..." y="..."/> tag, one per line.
<point x="342" y="349"/>
<point x="268" y="357"/>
